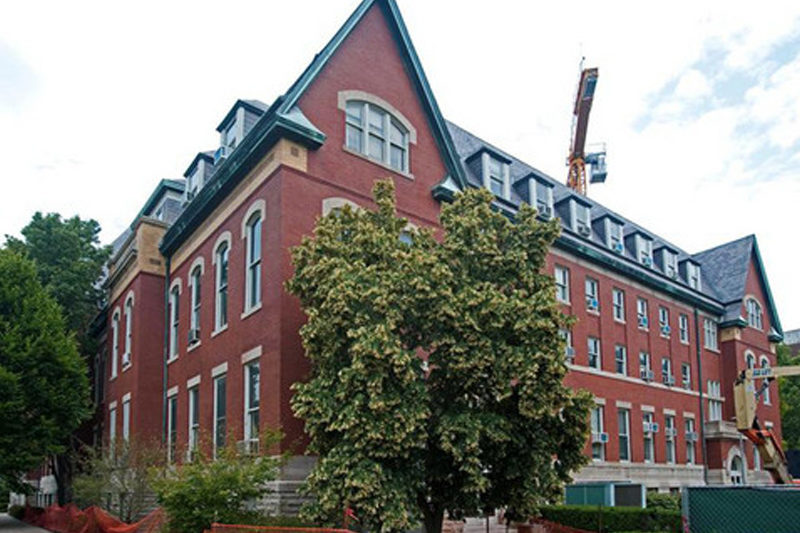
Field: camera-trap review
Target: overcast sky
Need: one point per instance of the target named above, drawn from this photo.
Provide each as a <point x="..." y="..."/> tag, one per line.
<point x="699" y="103"/>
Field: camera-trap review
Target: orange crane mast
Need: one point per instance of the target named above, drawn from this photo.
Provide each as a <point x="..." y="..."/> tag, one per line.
<point x="577" y="158"/>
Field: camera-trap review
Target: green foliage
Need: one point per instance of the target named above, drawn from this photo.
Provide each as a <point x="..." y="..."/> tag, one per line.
<point x="612" y="519"/>
<point x="118" y="482"/>
<point x="664" y="500"/>
<point x="17" y="511"/>
<point x="437" y="366"/>
<point x="790" y="400"/>
<point x="196" y="494"/>
<point x="44" y="391"/>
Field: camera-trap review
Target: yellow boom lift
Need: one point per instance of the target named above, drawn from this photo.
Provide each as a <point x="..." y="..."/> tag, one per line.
<point x="745" y="398"/>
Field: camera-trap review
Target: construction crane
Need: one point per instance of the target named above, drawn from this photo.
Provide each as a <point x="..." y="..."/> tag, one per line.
<point x="578" y="159"/>
<point x="745" y="399"/>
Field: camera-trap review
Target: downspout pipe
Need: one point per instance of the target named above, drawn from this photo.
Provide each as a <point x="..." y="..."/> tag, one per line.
<point x="166" y="355"/>
<point x="703" y="448"/>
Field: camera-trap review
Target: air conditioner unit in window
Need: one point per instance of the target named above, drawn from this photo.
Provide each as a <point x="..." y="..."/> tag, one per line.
<point x="642" y="321"/>
<point x="654" y="427"/>
<point x="584" y="231"/>
<point x="221" y="153"/>
<point x="592" y="304"/>
<point x="687" y="383"/>
<point x="545" y="211"/>
<point x="601" y="438"/>
<point x="647" y="427"/>
<point x="619" y="248"/>
<point x="646" y="374"/>
<point x="194" y="335"/>
<point x="669" y="380"/>
<point x="665" y="330"/>
<point x="670" y="432"/>
<point x="247" y="447"/>
<point x="691" y="436"/>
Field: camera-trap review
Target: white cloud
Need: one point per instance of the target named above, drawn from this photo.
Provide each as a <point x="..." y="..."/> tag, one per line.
<point x="127" y="95"/>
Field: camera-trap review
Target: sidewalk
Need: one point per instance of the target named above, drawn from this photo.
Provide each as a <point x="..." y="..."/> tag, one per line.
<point x="12" y="525"/>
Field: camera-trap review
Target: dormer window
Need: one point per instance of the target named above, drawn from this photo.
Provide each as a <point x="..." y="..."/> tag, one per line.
<point x="193" y="183"/>
<point x="372" y="131"/>
<point x="614" y="236"/>
<point x="496" y="175"/>
<point x="544" y="199"/>
<point x="230" y="137"/>
<point x="581" y="219"/>
<point x="644" y="250"/>
<point x="693" y="275"/>
<point x="670" y="263"/>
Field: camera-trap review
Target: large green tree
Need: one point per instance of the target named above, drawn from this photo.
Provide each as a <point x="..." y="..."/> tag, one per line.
<point x="790" y="400"/>
<point x="437" y="368"/>
<point x="43" y="385"/>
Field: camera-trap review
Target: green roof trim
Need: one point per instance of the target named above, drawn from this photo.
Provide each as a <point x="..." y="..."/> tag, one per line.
<point x="163" y="186"/>
<point x="773" y="311"/>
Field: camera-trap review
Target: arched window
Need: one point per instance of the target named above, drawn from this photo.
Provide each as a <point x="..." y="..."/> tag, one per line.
<point x="221" y="286"/>
<point x="174" y="309"/>
<point x="736" y="470"/>
<point x="749" y="360"/>
<point x="373" y="131"/>
<point x="755" y="317"/>
<point x="114" y="342"/>
<point x="765" y="364"/>
<point x="253" y="272"/>
<point x="194" y="319"/>
<point x="126" y="356"/>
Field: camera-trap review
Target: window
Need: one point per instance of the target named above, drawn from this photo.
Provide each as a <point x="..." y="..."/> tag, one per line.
<point x="496" y="179"/>
<point x="749" y="360"/>
<point x="663" y="321"/>
<point x="644" y="250"/>
<point x="641" y="313"/>
<point x="755" y="317"/>
<point x="231" y="136"/>
<point x="624" y="425"/>
<point x="619" y="304"/>
<point x="621" y="359"/>
<point x="686" y="376"/>
<point x="714" y="401"/>
<point x="220" y="412"/>
<point x="253" y="274"/>
<point x="194" y="321"/>
<point x="598" y="435"/>
<point x="112" y="427"/>
<point x="114" y="343"/>
<point x="710" y="334"/>
<point x="669" y="435"/>
<point x="594" y="352"/>
<point x="252" y="395"/>
<point x="582" y="223"/>
<point x="194" y="421"/>
<point x="645" y="370"/>
<point x="691" y="439"/>
<point x="126" y="418"/>
<point x="670" y="264"/>
<point x="372" y="131"/>
<point x="221" y="303"/>
<point x="562" y="284"/>
<point x="649" y="449"/>
<point x="569" y="351"/>
<point x="544" y="199"/>
<point x="736" y="470"/>
<point x="126" y="357"/>
<point x="174" y="297"/>
<point x="666" y="371"/>
<point x="592" y="301"/>
<point x="693" y="275"/>
<point x="614" y="236"/>
<point x="172" y="425"/>
<point x="765" y="364"/>
<point x="756" y="458"/>
<point x="683" y="328"/>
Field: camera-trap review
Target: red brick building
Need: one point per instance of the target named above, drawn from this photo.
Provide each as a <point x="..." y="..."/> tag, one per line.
<point x="202" y="338"/>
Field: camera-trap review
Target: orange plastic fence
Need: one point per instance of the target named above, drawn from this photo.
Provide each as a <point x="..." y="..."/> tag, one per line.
<point x="70" y="519"/>
<point x="235" y="528"/>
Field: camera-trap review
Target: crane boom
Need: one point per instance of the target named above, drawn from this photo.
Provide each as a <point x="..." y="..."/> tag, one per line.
<point x="745" y="398"/>
<point x="577" y="158"/>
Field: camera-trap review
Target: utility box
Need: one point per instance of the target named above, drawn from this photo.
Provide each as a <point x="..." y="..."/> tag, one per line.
<point x="606" y="494"/>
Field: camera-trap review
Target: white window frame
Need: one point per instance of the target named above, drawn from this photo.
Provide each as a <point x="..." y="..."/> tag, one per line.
<point x="543" y="202"/>
<point x="193" y="420"/>
<point x="174" y="319"/>
<point x="614" y="235"/>
<point x="756" y="459"/>
<point x="567" y="336"/>
<point x="710" y="335"/>
<point x="648" y="439"/>
<point x="172" y="426"/>
<point x="624" y="432"/>
<point x="621" y="359"/>
<point x="714" y="400"/>
<point x="663" y="320"/>
<point x="763" y="362"/>
<point x="115" y="342"/>
<point x="581" y="219"/>
<point x="593" y="350"/>
<point x="112" y="427"/>
<point x="128" y="307"/>
<point x="196" y="294"/>
<point x="222" y="312"/>
<point x="562" y="284"/>
<point x="670" y="448"/>
<point x="691" y="450"/>
<point x="666" y="369"/>
<point x="249" y="409"/>
<point x="642" y="311"/>
<point x="254" y="245"/>
<point x="598" y="427"/>
<point x="644" y="250"/>
<point x="126" y="418"/>
<point x="644" y="357"/>
<point x="670" y="263"/>
<point x="217" y="438"/>
<point x="686" y="376"/>
<point x="683" y="328"/>
<point x="501" y="174"/>
<point x="618" y="297"/>
<point x="755" y="313"/>
<point x="693" y="275"/>
<point x="389" y="118"/>
<point x="592" y="290"/>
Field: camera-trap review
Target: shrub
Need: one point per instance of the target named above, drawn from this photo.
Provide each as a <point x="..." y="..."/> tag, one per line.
<point x="666" y="501"/>
<point x="17" y="511"/>
<point x="612" y="519"/>
<point x="196" y="494"/>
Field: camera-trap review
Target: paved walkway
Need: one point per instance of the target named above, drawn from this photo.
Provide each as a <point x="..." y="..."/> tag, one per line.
<point x="9" y="524"/>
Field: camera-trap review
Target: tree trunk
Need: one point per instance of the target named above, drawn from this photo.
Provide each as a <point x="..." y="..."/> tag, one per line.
<point x="433" y="519"/>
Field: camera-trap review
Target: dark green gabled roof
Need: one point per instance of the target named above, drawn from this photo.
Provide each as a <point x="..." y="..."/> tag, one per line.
<point x="284" y="119"/>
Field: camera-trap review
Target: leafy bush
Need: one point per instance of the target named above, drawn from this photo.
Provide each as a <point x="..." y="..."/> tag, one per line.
<point x="17" y="511"/>
<point x="196" y="494"/>
<point x="612" y="519"/>
<point x="666" y="501"/>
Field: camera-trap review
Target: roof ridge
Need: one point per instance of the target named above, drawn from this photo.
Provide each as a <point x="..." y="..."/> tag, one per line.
<point x="750" y="236"/>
